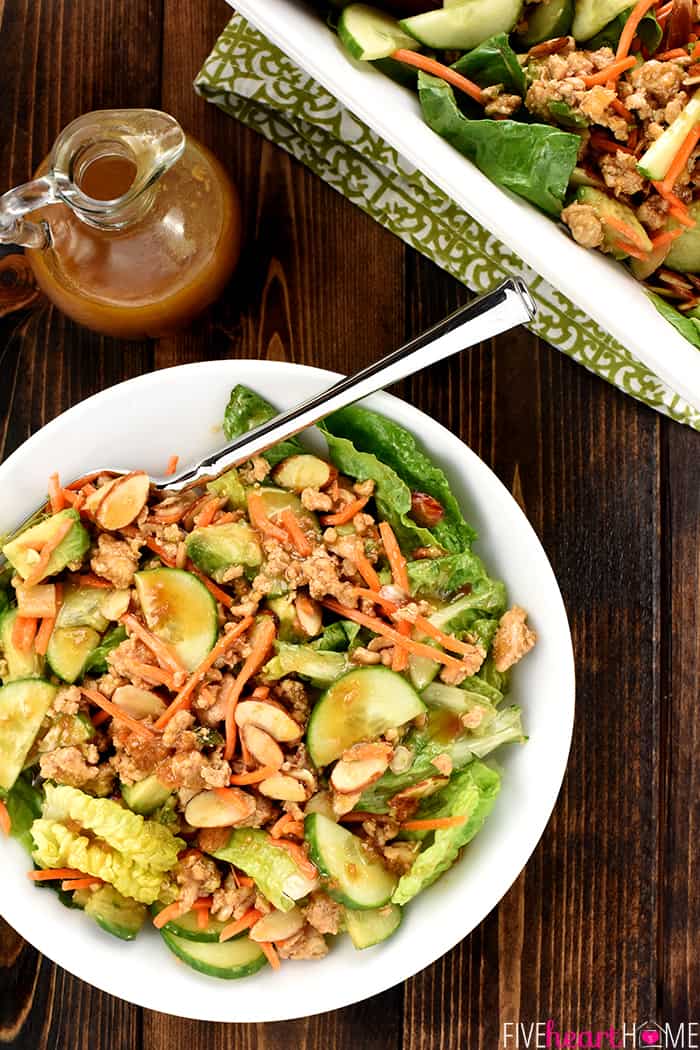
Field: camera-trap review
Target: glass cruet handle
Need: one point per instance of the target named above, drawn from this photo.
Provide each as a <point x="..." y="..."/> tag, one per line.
<point x="16" y="203"/>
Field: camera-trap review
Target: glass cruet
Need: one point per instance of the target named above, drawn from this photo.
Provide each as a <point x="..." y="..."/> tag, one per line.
<point x="131" y="226"/>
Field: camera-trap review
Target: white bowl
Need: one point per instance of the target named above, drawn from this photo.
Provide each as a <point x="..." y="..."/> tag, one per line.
<point x="604" y="290"/>
<point x="141" y="423"/>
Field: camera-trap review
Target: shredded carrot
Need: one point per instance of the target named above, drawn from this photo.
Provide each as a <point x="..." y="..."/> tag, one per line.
<point x="346" y="513"/>
<point x="264" y="637"/>
<point x="172" y="466"/>
<point x="154" y="546"/>
<point x="287" y="825"/>
<point x="245" y="880"/>
<point x="171" y="911"/>
<point x="429" y="65"/>
<point x="260" y="521"/>
<point x="296" y="533"/>
<point x="183" y="698"/>
<point x="630" y="28"/>
<point x="379" y="627"/>
<point x="622" y="110"/>
<point x="203" y="919"/>
<point x="399" y="657"/>
<point x="81" y="884"/>
<point x="202" y="902"/>
<point x="43" y="635"/>
<point x="695" y="53"/>
<point x="154" y="675"/>
<point x="627" y="232"/>
<point x="681" y="159"/>
<point x="100" y="718"/>
<point x="5" y="821"/>
<point x="298" y="855"/>
<point x="56" y="498"/>
<point x="675" y="52"/>
<point x="366" y="570"/>
<point x="162" y="652"/>
<point x="24" y="632"/>
<point x="225" y="517"/>
<point x="397" y="562"/>
<point x="435" y="824"/>
<point x="86" y="479"/>
<point x="261" y="692"/>
<point x="270" y="954"/>
<point x="206" y="514"/>
<point x="47" y="549"/>
<point x="54" y="874"/>
<point x="610" y="73"/>
<point x="378" y="599"/>
<point x="666" y="237"/>
<point x="248" y="919"/>
<point x="117" y="713"/>
<point x="630" y="249"/>
<point x="89" y="579"/>
<point x="683" y="217"/>
<point x="217" y="592"/>
<point x="446" y="640"/>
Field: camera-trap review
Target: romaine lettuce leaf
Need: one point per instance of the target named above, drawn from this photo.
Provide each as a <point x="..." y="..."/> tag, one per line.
<point x="533" y="160"/>
<point x="470" y="793"/>
<point x="649" y="32"/>
<point x="59" y="846"/>
<point x="320" y="666"/>
<point x="148" y="842"/>
<point x="246" y="410"/>
<point x="505" y="728"/>
<point x="486" y="596"/>
<point x="442" y="577"/>
<point x="337" y="637"/>
<point x="97" y="660"/>
<point x="689" y="327"/>
<point x="273" y="870"/>
<point x="396" y="448"/>
<point x="23" y="802"/>
<point x="493" y="62"/>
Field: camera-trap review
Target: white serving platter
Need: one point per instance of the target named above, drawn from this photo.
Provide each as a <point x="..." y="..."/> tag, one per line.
<point x="600" y="287"/>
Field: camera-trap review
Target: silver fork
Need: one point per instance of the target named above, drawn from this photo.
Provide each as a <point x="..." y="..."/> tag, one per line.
<point x="508" y="305"/>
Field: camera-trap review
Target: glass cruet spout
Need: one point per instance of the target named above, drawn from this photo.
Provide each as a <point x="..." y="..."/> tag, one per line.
<point x="131" y="226"/>
<point x="145" y="141"/>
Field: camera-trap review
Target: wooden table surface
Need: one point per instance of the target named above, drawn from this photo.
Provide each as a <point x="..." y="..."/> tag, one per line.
<point x="602" y="926"/>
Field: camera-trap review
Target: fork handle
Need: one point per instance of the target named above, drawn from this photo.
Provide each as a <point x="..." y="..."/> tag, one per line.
<point x="508" y="305"/>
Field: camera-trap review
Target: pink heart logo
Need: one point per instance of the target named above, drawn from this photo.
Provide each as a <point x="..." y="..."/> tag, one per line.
<point x="650" y="1037"/>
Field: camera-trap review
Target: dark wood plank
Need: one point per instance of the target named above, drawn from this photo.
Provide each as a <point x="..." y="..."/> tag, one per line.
<point x="680" y="808"/>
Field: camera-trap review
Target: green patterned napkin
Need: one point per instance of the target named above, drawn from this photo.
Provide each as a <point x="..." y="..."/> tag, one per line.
<point x="250" y="78"/>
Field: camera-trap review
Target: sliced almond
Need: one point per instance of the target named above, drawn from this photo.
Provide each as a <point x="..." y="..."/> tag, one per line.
<point x="309" y="615"/>
<point x="270" y="717"/>
<point x="123" y="501"/>
<point x="342" y="804"/>
<point x="262" y="747"/>
<point x="115" y="603"/>
<point x="219" y="808"/>
<point x="302" y="472"/>
<point x="283" y="788"/>
<point x="349" y="777"/>
<point x="95" y="498"/>
<point x="364" y="750"/>
<point x="422" y="789"/>
<point x="139" y="703"/>
<point x="277" y="926"/>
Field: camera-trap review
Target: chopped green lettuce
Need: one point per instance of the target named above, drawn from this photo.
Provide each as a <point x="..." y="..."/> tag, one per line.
<point x="533" y="160"/>
<point x="442" y="577"/>
<point x="23" y="802"/>
<point x="273" y="870"/>
<point x="246" y="410"/>
<point x="97" y="660"/>
<point x="505" y="728"/>
<point x="471" y="793"/>
<point x="370" y="433"/>
<point x="337" y="637"/>
<point x="689" y="327"/>
<point x="649" y="32"/>
<point x="493" y="62"/>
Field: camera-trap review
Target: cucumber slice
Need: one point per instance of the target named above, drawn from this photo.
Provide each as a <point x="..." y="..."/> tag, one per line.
<point x="22" y="553"/>
<point x="654" y="164"/>
<point x="69" y="649"/>
<point x="320" y="666"/>
<point x="19" y="664"/>
<point x="120" y="916"/>
<point x="23" y="707"/>
<point x="146" y="796"/>
<point x="368" y="33"/>
<point x="547" y="21"/>
<point x="370" y="927"/>
<point x="464" y="25"/>
<point x="239" y="957"/>
<point x="684" y="253"/>
<point x="361" y="705"/>
<point x="592" y="15"/>
<point x="277" y="500"/>
<point x="187" y="928"/>
<point x="82" y="607"/>
<point x="179" y="610"/>
<point x="357" y="879"/>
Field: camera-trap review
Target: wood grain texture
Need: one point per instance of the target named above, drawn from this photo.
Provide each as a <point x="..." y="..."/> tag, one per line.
<point x="602" y="926"/>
